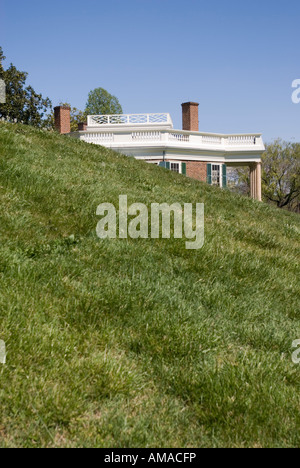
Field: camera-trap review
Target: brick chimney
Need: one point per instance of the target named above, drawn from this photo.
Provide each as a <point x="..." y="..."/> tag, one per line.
<point x="190" y="118"/>
<point x="62" y="119"/>
<point x="82" y="126"/>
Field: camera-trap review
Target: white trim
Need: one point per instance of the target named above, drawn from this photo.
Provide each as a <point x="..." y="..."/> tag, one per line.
<point x="179" y="164"/>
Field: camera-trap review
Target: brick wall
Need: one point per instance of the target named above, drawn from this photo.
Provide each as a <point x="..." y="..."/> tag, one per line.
<point x="197" y="170"/>
<point x="194" y="169"/>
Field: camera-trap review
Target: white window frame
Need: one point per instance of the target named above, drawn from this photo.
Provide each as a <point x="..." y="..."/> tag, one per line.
<point x="179" y="164"/>
<point x="220" y="174"/>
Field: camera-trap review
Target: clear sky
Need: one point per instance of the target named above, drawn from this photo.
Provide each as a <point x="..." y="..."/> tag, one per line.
<point x="236" y="58"/>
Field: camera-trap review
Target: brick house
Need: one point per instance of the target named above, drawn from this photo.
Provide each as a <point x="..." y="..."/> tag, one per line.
<point x="152" y="138"/>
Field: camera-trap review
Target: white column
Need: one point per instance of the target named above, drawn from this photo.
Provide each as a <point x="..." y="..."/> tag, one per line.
<point x="258" y="182"/>
<point x="252" y="181"/>
<point x="255" y="181"/>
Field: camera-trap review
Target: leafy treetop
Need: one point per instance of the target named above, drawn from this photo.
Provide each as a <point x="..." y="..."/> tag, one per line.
<point x="22" y="102"/>
<point x="102" y="102"/>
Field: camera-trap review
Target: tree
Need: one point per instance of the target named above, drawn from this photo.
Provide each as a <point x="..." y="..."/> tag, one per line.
<point x="281" y="173"/>
<point x="100" y="102"/>
<point x="22" y="103"/>
<point x="2" y="58"/>
<point x="240" y="177"/>
<point x="2" y="83"/>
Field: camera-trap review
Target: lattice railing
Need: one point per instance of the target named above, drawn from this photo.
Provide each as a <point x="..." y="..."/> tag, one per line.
<point x="129" y="119"/>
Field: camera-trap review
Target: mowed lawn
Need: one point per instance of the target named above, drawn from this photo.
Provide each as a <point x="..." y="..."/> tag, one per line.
<point x="140" y="343"/>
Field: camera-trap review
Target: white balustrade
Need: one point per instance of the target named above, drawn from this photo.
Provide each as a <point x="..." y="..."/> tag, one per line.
<point x="179" y="137"/>
<point x="122" y="130"/>
<point x="211" y="140"/>
<point x="146" y="136"/>
<point x="97" y="137"/>
<point x="241" y="140"/>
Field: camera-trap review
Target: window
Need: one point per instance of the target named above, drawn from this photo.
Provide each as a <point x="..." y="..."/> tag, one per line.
<point x="175" y="167"/>
<point x="179" y="167"/>
<point x="215" y="174"/>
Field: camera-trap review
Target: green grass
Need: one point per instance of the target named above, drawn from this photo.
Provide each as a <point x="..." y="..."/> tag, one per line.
<point x="140" y="343"/>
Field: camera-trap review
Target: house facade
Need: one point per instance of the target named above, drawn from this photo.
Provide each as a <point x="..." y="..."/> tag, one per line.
<point x="152" y="138"/>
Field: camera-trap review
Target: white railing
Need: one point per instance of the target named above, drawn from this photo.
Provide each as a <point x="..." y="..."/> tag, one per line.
<point x="98" y="138"/>
<point x="211" y="140"/>
<point x="129" y="119"/>
<point x="146" y="136"/>
<point x="8" y="119"/>
<point x="241" y="140"/>
<point x="116" y="129"/>
<point x="178" y="138"/>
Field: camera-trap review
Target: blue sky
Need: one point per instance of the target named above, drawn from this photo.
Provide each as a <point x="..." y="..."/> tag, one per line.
<point x="236" y="58"/>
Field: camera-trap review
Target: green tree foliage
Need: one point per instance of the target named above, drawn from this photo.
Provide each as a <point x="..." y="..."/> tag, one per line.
<point x="281" y="174"/>
<point x="239" y="180"/>
<point x="2" y="58"/>
<point x="100" y="102"/>
<point x="22" y="102"/>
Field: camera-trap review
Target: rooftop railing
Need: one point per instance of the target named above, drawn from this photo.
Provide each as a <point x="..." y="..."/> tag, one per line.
<point x="125" y="130"/>
<point x="129" y="119"/>
<point x="174" y="138"/>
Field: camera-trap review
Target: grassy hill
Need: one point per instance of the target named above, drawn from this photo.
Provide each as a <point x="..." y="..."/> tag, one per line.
<point x="135" y="343"/>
